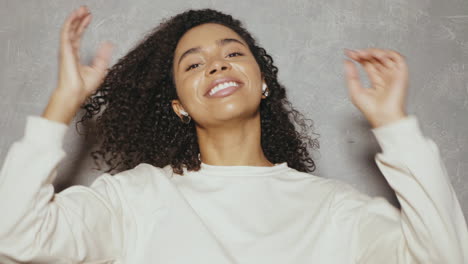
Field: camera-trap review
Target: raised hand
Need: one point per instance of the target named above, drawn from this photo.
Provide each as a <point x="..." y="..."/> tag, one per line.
<point x="76" y="81"/>
<point x="81" y="80"/>
<point x="384" y="102"/>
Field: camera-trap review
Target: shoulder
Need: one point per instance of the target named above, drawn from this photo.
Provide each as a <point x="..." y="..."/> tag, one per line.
<point x="349" y="203"/>
<point x="141" y="175"/>
<point x="307" y="178"/>
<point x="338" y="190"/>
<point x="322" y="190"/>
<point x="142" y="183"/>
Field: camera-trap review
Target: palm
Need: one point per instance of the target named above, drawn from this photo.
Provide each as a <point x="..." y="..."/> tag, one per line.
<point x="388" y="74"/>
<point x="92" y="76"/>
<point x="81" y="80"/>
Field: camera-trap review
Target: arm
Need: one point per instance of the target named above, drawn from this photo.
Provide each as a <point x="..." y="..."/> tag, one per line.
<point x="429" y="228"/>
<point x="79" y="224"/>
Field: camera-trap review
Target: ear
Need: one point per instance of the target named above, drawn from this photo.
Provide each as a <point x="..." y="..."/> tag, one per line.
<point x="177" y="106"/>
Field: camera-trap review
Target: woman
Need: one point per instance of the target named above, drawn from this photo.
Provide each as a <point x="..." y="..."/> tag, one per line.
<point x="215" y="114"/>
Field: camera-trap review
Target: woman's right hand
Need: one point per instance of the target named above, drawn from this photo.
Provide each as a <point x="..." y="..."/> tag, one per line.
<point x="76" y="81"/>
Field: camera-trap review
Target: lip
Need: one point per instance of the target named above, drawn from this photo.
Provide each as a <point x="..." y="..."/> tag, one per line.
<point x="221" y="80"/>
<point x="225" y="92"/>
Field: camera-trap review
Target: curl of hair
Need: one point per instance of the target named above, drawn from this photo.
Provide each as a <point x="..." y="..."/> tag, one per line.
<point x="138" y="124"/>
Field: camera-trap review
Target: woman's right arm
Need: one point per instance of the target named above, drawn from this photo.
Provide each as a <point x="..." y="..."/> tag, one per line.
<point x="36" y="225"/>
<point x="80" y="223"/>
<point x="76" y="81"/>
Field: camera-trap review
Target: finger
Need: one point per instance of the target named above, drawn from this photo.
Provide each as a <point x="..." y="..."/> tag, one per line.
<point x="82" y="15"/>
<point x="365" y="59"/>
<point x="79" y="32"/>
<point x="352" y="54"/>
<point x="386" y="60"/>
<point x="352" y="78"/>
<point x="66" y="51"/>
<point x="364" y="54"/>
<point x="102" y="58"/>
<point x="84" y="24"/>
<point x="378" y="64"/>
<point x="372" y="67"/>
<point x="65" y="32"/>
<point x="372" y="52"/>
<point x="82" y="11"/>
<point x="381" y="55"/>
<point x="398" y="59"/>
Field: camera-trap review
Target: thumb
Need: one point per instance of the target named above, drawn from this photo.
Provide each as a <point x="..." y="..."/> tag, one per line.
<point x="103" y="54"/>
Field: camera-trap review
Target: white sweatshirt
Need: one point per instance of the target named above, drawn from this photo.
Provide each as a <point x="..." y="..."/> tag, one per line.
<point x="229" y="214"/>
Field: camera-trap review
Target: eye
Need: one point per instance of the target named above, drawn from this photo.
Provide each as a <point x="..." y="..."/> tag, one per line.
<point x="235" y="53"/>
<point x="191" y="66"/>
<point x="196" y="64"/>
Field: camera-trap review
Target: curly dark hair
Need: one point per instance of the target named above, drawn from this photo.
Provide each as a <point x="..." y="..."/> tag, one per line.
<point x="139" y="124"/>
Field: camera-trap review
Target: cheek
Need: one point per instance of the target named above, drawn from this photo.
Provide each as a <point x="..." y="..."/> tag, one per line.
<point x="191" y="88"/>
<point x="251" y="72"/>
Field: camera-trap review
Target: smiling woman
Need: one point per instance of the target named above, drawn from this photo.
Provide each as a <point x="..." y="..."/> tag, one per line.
<point x="247" y="198"/>
<point x="198" y="88"/>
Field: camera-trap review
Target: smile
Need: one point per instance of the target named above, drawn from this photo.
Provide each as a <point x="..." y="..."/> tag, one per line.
<point x="224" y="89"/>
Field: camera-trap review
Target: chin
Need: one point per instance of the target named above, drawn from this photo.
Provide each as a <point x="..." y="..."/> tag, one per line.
<point x="233" y="111"/>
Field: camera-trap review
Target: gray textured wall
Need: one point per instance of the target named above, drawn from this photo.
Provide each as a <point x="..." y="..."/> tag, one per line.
<point x="306" y="39"/>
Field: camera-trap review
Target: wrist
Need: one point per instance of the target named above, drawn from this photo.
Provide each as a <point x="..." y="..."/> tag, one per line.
<point x="72" y="99"/>
<point x="383" y="121"/>
<point x="62" y="107"/>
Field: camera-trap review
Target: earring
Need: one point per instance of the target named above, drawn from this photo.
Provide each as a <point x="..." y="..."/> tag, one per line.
<point x="264" y="89"/>
<point x="185" y="117"/>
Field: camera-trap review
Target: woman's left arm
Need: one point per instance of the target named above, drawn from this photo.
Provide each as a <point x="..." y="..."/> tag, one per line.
<point x="430" y="227"/>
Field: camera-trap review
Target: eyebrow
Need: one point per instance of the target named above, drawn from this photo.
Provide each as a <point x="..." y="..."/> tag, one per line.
<point x="219" y="42"/>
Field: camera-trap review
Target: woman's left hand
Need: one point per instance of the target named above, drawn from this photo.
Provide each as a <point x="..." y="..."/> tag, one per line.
<point x="384" y="102"/>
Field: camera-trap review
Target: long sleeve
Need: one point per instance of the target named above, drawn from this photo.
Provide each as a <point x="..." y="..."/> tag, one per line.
<point x="429" y="228"/>
<point x="38" y="225"/>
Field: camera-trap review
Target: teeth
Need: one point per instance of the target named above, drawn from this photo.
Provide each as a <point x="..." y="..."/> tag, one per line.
<point x="222" y="86"/>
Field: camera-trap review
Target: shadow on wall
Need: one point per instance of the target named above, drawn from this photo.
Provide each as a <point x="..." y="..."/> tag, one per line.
<point x="78" y="160"/>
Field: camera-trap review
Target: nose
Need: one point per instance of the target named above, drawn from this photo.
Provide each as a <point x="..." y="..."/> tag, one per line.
<point x="218" y="65"/>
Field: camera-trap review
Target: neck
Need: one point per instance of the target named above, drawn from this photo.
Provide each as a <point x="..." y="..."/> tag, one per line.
<point x="233" y="143"/>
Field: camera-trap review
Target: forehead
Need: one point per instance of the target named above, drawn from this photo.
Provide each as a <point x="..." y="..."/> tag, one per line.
<point x="205" y="34"/>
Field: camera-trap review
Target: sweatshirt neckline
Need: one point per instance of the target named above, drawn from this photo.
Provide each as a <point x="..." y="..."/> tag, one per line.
<point x="242" y="170"/>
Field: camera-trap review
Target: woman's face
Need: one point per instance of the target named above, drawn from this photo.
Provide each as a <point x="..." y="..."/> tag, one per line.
<point x="209" y="53"/>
